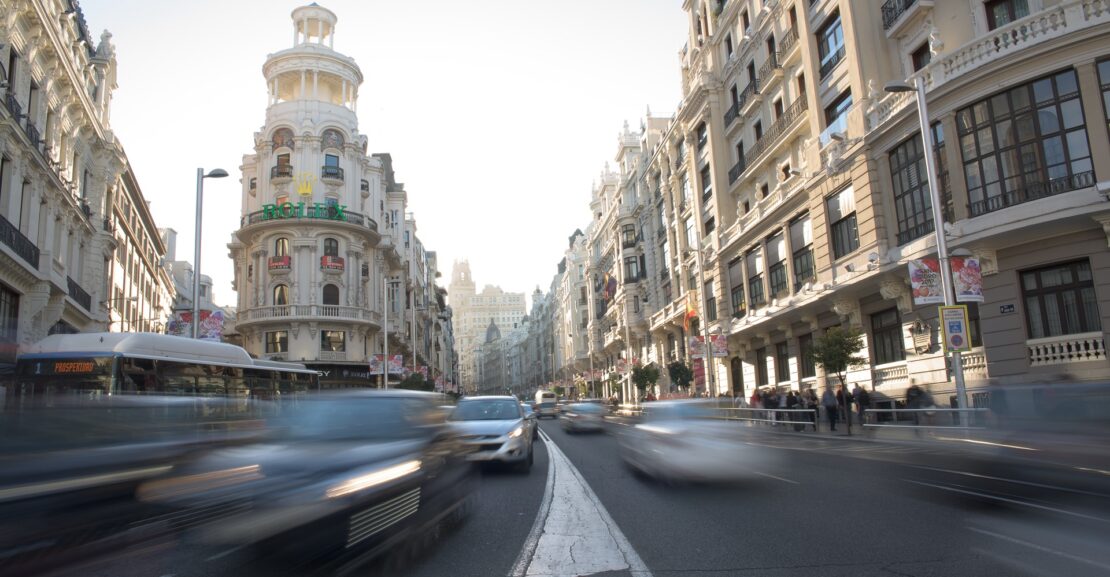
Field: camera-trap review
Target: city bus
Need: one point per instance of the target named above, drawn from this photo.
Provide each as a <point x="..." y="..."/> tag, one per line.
<point x="545" y="404"/>
<point x="94" y="365"/>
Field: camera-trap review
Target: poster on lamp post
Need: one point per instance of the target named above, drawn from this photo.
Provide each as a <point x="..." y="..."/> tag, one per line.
<point x="719" y="344"/>
<point x="695" y="347"/>
<point x="926" y="282"/>
<point x="210" y="328"/>
<point x="967" y="279"/>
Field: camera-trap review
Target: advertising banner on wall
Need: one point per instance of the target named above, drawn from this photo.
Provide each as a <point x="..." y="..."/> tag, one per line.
<point x="211" y="327"/>
<point x="718" y="344"/>
<point x="695" y="347"/>
<point x="967" y="279"/>
<point x="925" y="282"/>
<point x="396" y="364"/>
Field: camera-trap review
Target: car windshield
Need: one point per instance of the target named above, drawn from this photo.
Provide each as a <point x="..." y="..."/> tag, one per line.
<point x="486" y="411"/>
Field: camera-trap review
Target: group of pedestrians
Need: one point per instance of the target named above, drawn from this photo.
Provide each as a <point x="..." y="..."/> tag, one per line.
<point x="834" y="404"/>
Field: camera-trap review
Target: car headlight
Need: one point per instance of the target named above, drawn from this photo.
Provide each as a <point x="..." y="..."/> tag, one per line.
<point x="373" y="479"/>
<point x="516" y="432"/>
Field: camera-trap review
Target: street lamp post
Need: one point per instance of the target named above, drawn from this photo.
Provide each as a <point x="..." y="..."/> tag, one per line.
<point x="215" y="173"/>
<point x="938" y="227"/>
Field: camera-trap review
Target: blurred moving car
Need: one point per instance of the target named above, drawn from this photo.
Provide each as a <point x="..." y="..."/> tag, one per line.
<point x="530" y="416"/>
<point x="684" y="441"/>
<point x="582" y="417"/>
<point x="345" y="478"/>
<point x="496" y="429"/>
<point x="70" y="466"/>
<point x="545" y="404"/>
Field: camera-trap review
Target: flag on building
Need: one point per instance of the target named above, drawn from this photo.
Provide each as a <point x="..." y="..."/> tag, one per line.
<point x="691" y="310"/>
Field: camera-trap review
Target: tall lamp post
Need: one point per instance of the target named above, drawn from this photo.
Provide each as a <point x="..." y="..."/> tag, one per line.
<point x="215" y="173"/>
<point x="938" y="227"/>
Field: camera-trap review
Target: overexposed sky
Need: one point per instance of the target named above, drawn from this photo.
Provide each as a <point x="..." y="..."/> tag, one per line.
<point x="499" y="114"/>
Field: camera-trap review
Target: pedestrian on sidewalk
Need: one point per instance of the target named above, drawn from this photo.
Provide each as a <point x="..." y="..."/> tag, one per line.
<point x="792" y="403"/>
<point x="811" y="404"/>
<point x="771" y="402"/>
<point x="863" y="402"/>
<point x="828" y="401"/>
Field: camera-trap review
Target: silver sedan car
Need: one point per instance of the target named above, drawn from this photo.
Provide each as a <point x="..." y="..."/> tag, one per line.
<point x="496" y="429"/>
<point x="583" y="417"/>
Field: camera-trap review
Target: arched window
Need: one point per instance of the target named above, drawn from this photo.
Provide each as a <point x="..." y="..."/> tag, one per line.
<point x="281" y="295"/>
<point x="331" y="247"/>
<point x="331" y="294"/>
<point x="281" y="247"/>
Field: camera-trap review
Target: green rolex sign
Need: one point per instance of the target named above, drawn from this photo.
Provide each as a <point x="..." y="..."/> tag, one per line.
<point x="302" y="210"/>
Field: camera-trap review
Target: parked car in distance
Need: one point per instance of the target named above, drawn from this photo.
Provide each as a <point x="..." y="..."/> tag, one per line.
<point x="582" y="417"/>
<point x="495" y="428"/>
<point x="683" y="441"/>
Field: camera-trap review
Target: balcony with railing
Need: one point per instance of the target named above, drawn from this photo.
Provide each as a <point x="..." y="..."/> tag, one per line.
<point x="1033" y="191"/>
<point x="898" y="15"/>
<point x="284" y="312"/>
<point x="732" y="114"/>
<point x="332" y="356"/>
<point x="33" y="135"/>
<point x="787" y="44"/>
<point x="736" y="170"/>
<point x="281" y="172"/>
<point x="1066" y="349"/>
<point x="781" y="126"/>
<point x="20" y="245"/>
<point x="328" y="172"/>
<point x="838" y="126"/>
<point x="750" y="97"/>
<point x="79" y="294"/>
<point x="894" y="377"/>
<point x="771" y="68"/>
<point x="346" y="216"/>
<point x="829" y="65"/>
<point x="11" y="102"/>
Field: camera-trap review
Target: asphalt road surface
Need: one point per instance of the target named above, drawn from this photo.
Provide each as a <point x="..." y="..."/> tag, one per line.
<point x="831" y="507"/>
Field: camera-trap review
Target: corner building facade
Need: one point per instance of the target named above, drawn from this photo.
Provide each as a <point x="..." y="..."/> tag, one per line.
<point x="320" y="254"/>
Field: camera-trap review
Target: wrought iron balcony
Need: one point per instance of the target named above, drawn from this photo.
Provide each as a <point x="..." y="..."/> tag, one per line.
<point x="769" y="66"/>
<point x="779" y="128"/>
<point x="1033" y="191"/>
<point x="32" y="134"/>
<point x="893" y="9"/>
<point x="281" y="171"/>
<point x="787" y="43"/>
<point x="21" y="245"/>
<point x="732" y="114"/>
<point x="736" y="170"/>
<point x="332" y="172"/>
<point x="831" y="63"/>
<point x="751" y="90"/>
<point x="78" y="294"/>
<point x="12" y="103"/>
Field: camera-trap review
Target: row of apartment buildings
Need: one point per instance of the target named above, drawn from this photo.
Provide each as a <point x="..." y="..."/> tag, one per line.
<point x="787" y="194"/>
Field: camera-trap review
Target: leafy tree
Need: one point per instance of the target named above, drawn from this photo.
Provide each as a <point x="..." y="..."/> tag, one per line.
<point x="645" y="376"/>
<point x="417" y="382"/>
<point x="680" y="374"/>
<point x="559" y="391"/>
<point x="837" y="351"/>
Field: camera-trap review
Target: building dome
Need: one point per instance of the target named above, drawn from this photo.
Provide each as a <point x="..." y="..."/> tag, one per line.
<point x="492" y="332"/>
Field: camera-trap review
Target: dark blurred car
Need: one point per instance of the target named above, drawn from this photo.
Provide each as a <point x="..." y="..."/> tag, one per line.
<point x="70" y="468"/>
<point x="685" y="441"/>
<point x="582" y="417"/>
<point x="345" y="478"/>
<point x="496" y="429"/>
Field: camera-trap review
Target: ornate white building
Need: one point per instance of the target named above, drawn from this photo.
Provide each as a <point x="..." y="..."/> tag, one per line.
<point x="474" y="313"/>
<point x="324" y="243"/>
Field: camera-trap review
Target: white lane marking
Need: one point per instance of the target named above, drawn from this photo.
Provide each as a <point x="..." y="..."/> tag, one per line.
<point x="1041" y="548"/>
<point x="573" y="534"/>
<point x="777" y="478"/>
<point x="1007" y="500"/>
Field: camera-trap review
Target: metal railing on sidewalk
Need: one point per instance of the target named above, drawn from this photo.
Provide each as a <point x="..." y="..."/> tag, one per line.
<point x="773" y="416"/>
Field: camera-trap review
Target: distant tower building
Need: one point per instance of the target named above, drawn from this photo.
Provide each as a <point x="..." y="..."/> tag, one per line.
<point x="475" y="313"/>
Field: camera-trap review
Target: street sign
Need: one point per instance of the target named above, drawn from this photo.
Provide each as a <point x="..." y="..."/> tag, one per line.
<point x="954" y="328"/>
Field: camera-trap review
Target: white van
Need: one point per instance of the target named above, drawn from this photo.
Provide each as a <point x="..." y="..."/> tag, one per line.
<point x="545" y="404"/>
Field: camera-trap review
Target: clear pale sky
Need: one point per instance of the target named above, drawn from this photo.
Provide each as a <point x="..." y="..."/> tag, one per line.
<point x="499" y="114"/>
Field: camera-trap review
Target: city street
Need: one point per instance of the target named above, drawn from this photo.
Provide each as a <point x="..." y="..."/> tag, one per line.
<point x="834" y="507"/>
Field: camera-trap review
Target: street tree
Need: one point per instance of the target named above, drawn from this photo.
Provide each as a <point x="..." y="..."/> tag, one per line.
<point x="645" y="376"/>
<point x="680" y="374"/>
<point x="837" y="351"/>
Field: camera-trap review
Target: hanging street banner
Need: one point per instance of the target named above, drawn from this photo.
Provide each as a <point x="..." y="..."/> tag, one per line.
<point x="718" y="344"/>
<point x="925" y="282"/>
<point x="695" y="347"/>
<point x="396" y="365"/>
<point x="954" y="328"/>
<point x="967" y="279"/>
<point x="622" y="366"/>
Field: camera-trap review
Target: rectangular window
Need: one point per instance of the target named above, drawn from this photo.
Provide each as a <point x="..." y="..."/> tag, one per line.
<point x="691" y="235"/>
<point x="710" y="225"/>
<point x="912" y="206"/>
<point x="886" y="332"/>
<point x="1003" y="12"/>
<point x="631" y="269"/>
<point x="761" y="367"/>
<point x="710" y="302"/>
<point x="685" y="184"/>
<point x="830" y="44"/>
<point x="806" y="365"/>
<point x="757" y="130"/>
<point x="754" y="260"/>
<point x="706" y="183"/>
<point x="703" y="135"/>
<point x="628" y="235"/>
<point x="782" y="362"/>
<point x="283" y="159"/>
<point x="277" y="342"/>
<point x="836" y="117"/>
<point x="9" y="316"/>
<point x="728" y="46"/>
<point x="801" y="242"/>
<point x="736" y="281"/>
<point x="333" y="341"/>
<point x="921" y="57"/>
<point x="776" y="265"/>
<point x="1026" y="143"/>
<point x="331" y="160"/>
<point x="841" y="209"/>
<point x="1060" y="300"/>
